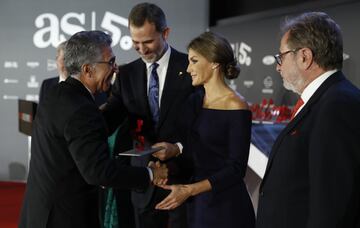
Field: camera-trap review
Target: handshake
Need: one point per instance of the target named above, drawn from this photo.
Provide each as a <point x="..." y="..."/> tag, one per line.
<point x="160" y="173"/>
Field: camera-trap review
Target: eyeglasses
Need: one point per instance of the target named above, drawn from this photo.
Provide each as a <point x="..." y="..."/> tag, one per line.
<point x="278" y="57"/>
<point x="111" y="62"/>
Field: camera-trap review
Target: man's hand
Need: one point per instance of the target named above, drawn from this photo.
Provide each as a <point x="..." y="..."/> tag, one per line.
<point x="170" y="150"/>
<point x="160" y="172"/>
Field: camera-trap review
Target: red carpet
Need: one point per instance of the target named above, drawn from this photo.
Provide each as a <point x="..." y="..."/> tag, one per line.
<point x="11" y="195"/>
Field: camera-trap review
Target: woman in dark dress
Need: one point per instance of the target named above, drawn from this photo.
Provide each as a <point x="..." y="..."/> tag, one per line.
<point x="218" y="131"/>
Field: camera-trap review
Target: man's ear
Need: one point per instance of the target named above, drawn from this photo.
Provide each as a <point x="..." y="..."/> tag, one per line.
<point x="165" y="33"/>
<point x="307" y="57"/>
<point x="87" y="70"/>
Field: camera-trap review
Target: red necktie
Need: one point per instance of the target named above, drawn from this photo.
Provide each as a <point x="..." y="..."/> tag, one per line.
<point x="298" y="104"/>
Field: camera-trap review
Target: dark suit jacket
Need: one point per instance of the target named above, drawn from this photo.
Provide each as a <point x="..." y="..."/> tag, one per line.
<point x="46" y="85"/>
<point x="69" y="160"/>
<point x="129" y="99"/>
<point x="312" y="179"/>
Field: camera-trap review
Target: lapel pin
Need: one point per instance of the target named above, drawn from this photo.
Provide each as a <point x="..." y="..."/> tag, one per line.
<point x="180" y="73"/>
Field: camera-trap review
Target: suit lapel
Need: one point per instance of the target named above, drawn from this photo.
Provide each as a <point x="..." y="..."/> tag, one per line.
<point x="338" y="76"/>
<point x="139" y="84"/>
<point x="173" y="81"/>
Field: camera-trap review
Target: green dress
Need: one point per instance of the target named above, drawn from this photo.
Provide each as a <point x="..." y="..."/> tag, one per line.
<point x="111" y="216"/>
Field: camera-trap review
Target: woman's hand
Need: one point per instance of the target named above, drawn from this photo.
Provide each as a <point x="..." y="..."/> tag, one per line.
<point x="178" y="194"/>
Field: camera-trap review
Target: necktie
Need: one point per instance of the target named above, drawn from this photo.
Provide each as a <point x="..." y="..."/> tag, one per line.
<point x="154" y="93"/>
<point x="298" y="104"/>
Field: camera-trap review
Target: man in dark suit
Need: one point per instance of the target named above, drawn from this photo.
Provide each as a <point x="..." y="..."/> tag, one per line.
<point x="69" y="154"/>
<point x="130" y="99"/>
<point x="47" y="84"/>
<point x="312" y="179"/>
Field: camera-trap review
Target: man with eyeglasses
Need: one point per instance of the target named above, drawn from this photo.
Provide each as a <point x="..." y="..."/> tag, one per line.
<point x="312" y="179"/>
<point x="69" y="150"/>
<point x="47" y="84"/>
<point x="150" y="90"/>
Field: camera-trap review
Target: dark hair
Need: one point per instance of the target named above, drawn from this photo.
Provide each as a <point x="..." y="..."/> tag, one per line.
<point x="84" y="48"/>
<point x="318" y="32"/>
<point x="147" y="12"/>
<point x="215" y="48"/>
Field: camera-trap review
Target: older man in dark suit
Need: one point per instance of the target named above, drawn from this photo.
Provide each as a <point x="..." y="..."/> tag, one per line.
<point x="47" y="84"/>
<point x="312" y="179"/>
<point x="69" y="154"/>
<point x="151" y="90"/>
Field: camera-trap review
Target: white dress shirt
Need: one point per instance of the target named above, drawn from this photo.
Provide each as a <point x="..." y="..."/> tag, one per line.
<point x="161" y="71"/>
<point x="313" y="86"/>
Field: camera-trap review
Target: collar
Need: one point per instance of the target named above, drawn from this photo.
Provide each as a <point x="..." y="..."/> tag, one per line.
<point x="61" y="79"/>
<point x="163" y="61"/>
<point x="75" y="77"/>
<point x="314" y="85"/>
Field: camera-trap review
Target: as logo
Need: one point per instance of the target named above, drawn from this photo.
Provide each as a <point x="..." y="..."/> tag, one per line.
<point x="52" y="30"/>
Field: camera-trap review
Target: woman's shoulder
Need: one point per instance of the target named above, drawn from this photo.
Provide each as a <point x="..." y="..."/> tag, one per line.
<point x="236" y="102"/>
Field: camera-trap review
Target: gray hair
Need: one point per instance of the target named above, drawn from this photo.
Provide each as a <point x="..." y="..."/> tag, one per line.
<point x="60" y="47"/>
<point x="84" y="48"/>
<point x="318" y="32"/>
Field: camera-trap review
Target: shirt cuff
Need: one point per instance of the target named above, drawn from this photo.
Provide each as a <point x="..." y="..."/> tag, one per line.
<point x="180" y="148"/>
<point x="151" y="175"/>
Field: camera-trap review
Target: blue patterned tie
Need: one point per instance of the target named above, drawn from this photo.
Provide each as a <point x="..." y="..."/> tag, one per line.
<point x="154" y="93"/>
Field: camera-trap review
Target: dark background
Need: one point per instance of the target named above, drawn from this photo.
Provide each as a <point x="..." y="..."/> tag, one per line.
<point x="231" y="8"/>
